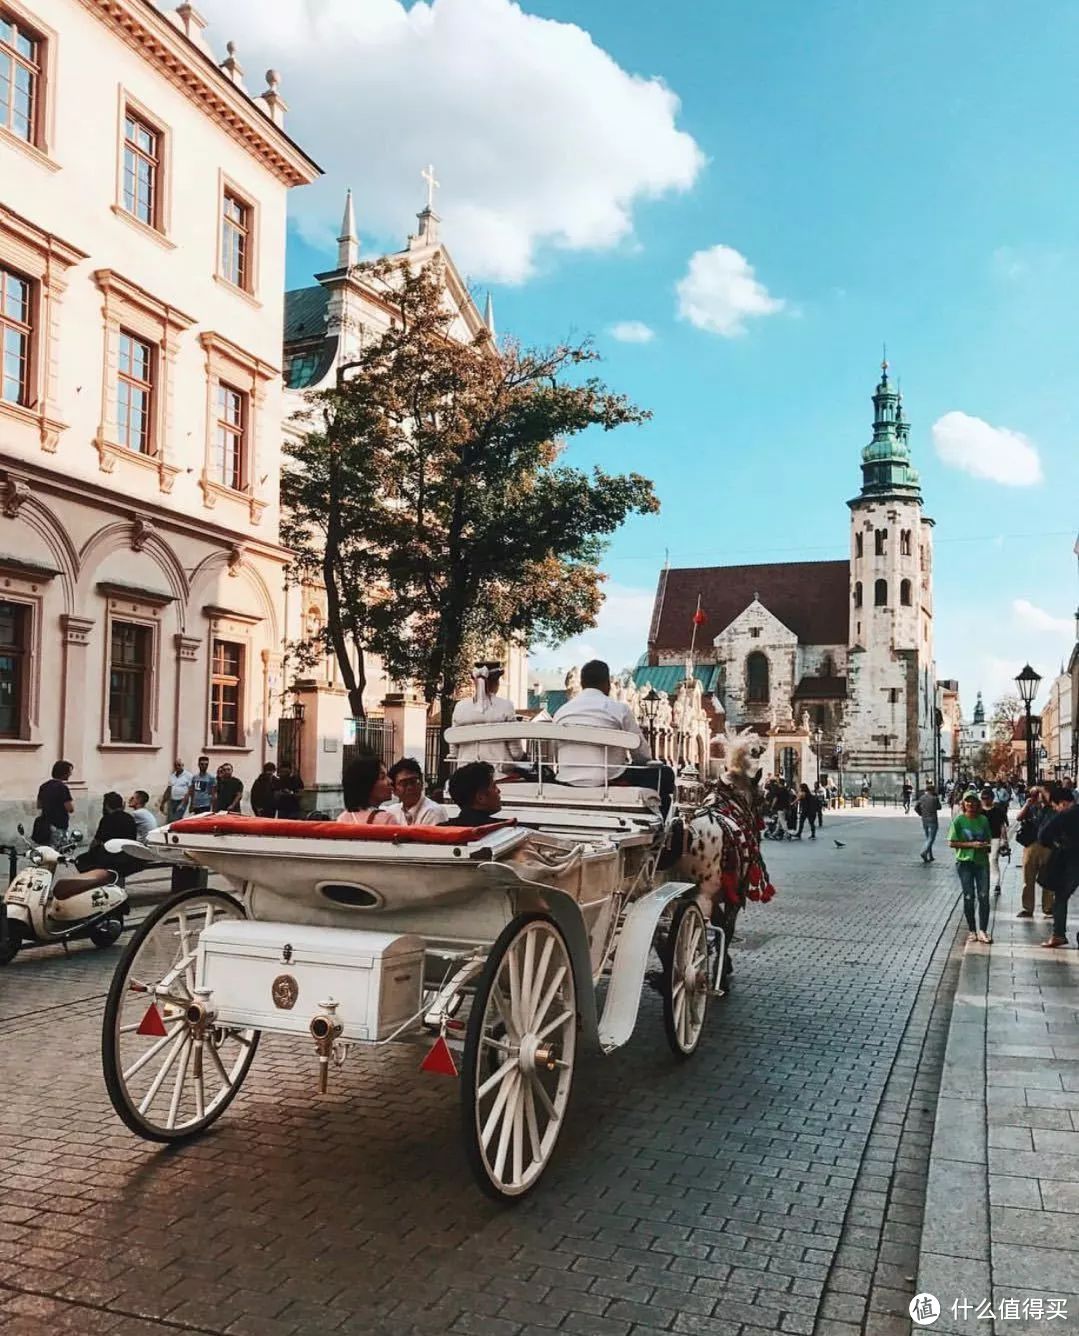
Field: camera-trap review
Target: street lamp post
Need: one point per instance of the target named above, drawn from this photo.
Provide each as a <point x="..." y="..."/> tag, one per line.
<point x="650" y="708"/>
<point x="839" y="766"/>
<point x="818" y="738"/>
<point x="1027" y="682"/>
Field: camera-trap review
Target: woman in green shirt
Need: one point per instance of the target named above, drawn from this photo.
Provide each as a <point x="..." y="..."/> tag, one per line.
<point x="969" y="835"/>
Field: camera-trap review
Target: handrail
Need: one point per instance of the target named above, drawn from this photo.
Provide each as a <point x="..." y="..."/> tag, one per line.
<point x="593" y="736"/>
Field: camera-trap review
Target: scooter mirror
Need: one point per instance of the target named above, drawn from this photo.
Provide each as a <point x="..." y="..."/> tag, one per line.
<point x="76" y="835"/>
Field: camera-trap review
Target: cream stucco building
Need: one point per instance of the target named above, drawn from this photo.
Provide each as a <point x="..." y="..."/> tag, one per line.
<point x="142" y="252"/>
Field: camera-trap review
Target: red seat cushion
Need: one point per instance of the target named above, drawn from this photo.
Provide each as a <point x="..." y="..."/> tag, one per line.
<point x="333" y="830"/>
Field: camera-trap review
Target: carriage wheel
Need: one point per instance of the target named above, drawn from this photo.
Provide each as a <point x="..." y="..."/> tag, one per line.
<point x="167" y="1079"/>
<point x="518" y="1058"/>
<point x="686" y="981"/>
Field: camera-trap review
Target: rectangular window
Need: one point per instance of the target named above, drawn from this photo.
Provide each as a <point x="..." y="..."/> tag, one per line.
<point x="15" y="334"/>
<point x="226" y="690"/>
<point x="230" y="436"/>
<point x="14" y="646"/>
<point x="129" y="682"/>
<point x="142" y="169"/>
<point x="236" y="240"/>
<point x="893" y="695"/>
<point x="20" y="78"/>
<point x="857" y="544"/>
<point x="134" y="393"/>
<point x="879" y="539"/>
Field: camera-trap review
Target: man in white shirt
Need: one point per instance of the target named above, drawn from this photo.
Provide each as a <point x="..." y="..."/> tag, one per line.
<point x="177" y="792"/>
<point x="412" y="803"/>
<point x="584" y="764"/>
<point x="486" y="706"/>
<point x="144" y="819"/>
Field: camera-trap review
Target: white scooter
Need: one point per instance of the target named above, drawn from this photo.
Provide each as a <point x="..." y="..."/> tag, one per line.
<point x="46" y="904"/>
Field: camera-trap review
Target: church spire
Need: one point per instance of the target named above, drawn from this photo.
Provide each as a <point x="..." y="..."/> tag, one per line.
<point x="348" y="243"/>
<point x="979" y="710"/>
<point x="886" y="466"/>
<point x="429" y="220"/>
<point x="489" y="315"/>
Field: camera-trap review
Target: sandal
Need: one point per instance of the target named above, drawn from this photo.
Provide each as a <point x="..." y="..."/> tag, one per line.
<point x="1054" y="942"/>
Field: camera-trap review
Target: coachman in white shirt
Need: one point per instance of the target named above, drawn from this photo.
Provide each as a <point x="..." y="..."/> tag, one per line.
<point x="486" y="706"/>
<point x="586" y="766"/>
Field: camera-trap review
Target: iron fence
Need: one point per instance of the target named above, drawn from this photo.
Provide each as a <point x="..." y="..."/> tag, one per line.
<point x="372" y="735"/>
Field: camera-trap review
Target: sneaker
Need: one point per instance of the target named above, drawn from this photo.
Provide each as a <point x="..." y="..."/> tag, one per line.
<point x="924" y="857"/>
<point x="1025" y="913"/>
<point x="984" y="937"/>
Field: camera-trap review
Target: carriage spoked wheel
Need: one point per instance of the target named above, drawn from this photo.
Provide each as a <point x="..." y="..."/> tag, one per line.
<point x="167" y="1077"/>
<point x="519" y="1057"/>
<point x="687" y="979"/>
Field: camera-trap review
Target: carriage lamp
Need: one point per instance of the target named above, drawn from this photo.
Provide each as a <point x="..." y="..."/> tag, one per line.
<point x="325" y="1029"/>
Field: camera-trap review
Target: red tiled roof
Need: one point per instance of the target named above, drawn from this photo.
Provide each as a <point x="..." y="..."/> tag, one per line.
<point x="809" y="597"/>
<point x="821" y="688"/>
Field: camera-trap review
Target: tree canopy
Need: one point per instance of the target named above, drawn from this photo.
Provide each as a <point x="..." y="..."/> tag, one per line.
<point x="429" y="495"/>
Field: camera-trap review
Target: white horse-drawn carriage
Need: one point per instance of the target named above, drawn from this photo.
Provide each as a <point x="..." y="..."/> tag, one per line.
<point x="500" y="949"/>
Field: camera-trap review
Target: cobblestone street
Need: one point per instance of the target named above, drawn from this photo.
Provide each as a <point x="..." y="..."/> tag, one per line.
<point x="776" y="1182"/>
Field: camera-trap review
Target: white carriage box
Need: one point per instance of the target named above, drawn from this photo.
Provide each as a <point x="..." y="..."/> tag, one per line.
<point x="275" y="976"/>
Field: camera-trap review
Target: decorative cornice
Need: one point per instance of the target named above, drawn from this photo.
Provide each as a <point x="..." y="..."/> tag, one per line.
<point x="214" y="612"/>
<point x="113" y="284"/>
<point x="47" y="243"/>
<point x="26" y="570"/>
<point x="134" y="594"/>
<point x="171" y="52"/>
<point x="217" y="345"/>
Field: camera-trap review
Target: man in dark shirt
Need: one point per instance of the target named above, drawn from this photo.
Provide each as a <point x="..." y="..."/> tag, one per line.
<point x="115" y="824"/>
<point x="1061" y="834"/>
<point x="54" y="803"/>
<point x="227" y="791"/>
<point x="997" y="816"/>
<point x="475" y="791"/>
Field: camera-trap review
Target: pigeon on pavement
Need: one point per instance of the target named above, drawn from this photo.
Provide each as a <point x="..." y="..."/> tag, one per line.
<point x="839" y="844"/>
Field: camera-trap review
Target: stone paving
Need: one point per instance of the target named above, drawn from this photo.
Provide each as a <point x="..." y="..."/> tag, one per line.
<point x="745" y="1191"/>
<point x="1002" y="1218"/>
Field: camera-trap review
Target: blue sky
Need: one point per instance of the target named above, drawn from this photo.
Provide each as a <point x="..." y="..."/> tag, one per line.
<point x="898" y="173"/>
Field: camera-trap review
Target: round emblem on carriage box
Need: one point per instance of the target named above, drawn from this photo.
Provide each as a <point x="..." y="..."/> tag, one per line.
<point x="284" y="990"/>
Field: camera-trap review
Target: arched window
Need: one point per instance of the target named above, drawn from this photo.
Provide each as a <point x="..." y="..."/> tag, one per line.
<point x="757" y="678"/>
<point x="880" y="537"/>
<point x="904" y="593"/>
<point x="880" y="594"/>
<point x="827" y="666"/>
<point x="858" y="594"/>
<point x="857" y="544"/>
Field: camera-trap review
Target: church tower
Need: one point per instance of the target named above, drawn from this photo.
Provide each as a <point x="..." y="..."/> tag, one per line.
<point x="889" y="726"/>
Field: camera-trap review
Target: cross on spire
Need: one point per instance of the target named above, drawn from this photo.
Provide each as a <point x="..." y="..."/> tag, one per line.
<point x="428" y="175"/>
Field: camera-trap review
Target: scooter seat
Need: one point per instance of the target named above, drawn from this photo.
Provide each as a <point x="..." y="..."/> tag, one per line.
<point x="66" y="887"/>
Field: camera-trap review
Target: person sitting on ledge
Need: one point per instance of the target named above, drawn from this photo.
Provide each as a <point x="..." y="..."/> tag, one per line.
<point x="366" y="786"/>
<point x="475" y="791"/>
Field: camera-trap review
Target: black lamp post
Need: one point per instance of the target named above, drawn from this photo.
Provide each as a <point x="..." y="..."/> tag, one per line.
<point x="1027" y="682"/>
<point x="650" y="708"/>
<point x="839" y="765"/>
<point x="818" y="738"/>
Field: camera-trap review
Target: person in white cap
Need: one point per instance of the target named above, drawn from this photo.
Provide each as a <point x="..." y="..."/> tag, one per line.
<point x="486" y="706"/>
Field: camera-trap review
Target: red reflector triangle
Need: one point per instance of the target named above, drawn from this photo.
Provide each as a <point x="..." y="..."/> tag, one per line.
<point x="439" y="1060"/>
<point x="152" y="1023"/>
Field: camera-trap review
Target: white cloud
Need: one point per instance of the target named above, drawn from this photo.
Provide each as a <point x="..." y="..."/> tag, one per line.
<point x="985" y="451"/>
<point x="539" y="137"/>
<point x="1033" y="618"/>
<point x="620" y="635"/>
<point x="719" y="292"/>
<point x="632" y="331"/>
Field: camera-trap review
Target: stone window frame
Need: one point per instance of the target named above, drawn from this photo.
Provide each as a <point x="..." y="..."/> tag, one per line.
<point x="161" y="227"/>
<point x="857" y="593"/>
<point x="40" y="147"/>
<point x="878" y="602"/>
<point x="239" y="628"/>
<point x="243" y="371"/>
<point x="767" y="697"/>
<point x="858" y="546"/>
<point x="880" y="542"/>
<point x="130" y="308"/>
<point x="905" y="594"/>
<point x="44" y="259"/>
<point x="249" y="291"/>
<point x="25" y="583"/>
<point x="140" y="607"/>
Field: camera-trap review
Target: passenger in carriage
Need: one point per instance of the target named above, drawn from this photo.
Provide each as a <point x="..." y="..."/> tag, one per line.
<point x="406" y="776"/>
<point x="366" y="787"/>
<point x="475" y="790"/>
<point x="486" y="706"/>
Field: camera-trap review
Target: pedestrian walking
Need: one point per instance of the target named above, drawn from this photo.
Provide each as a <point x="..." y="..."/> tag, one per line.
<point x="808" y="810"/>
<point x="970" y="837"/>
<point x="228" y="790"/>
<point x="55" y="805"/>
<point x="264" y="791"/>
<point x="820" y="792"/>
<point x="202" y="788"/>
<point x="908" y="793"/>
<point x="1032" y="816"/>
<point x="144" y="819"/>
<point x="997" y="815"/>
<point x="928" y="808"/>
<point x="1060" y="834"/>
<point x="177" y="792"/>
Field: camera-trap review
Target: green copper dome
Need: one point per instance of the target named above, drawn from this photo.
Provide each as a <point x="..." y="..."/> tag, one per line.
<point x="886" y="466"/>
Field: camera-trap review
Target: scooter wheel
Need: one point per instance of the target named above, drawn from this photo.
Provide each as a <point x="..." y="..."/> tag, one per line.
<point x="107" y="932"/>
<point x="9" y="949"/>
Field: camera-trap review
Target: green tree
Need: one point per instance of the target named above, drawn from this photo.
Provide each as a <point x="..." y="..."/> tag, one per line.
<point x="430" y="497"/>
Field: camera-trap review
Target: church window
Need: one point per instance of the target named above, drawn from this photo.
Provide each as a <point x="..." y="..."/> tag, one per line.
<point x="904" y="593"/>
<point x="893" y="695"/>
<point x="827" y="666"/>
<point x="880" y="537"/>
<point x="857" y="544"/>
<point x="880" y="594"/>
<point x="755" y="632"/>
<point x="904" y="542"/>
<point x="757" y="678"/>
<point x="858" y="594"/>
